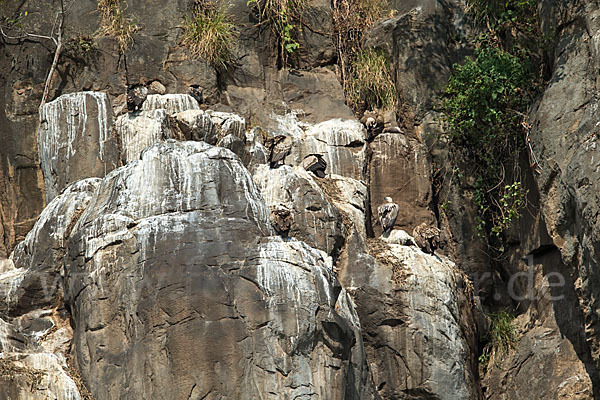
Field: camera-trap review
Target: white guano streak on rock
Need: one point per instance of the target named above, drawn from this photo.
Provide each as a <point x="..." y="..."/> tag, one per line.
<point x="431" y="290"/>
<point x="72" y="108"/>
<point x="9" y="284"/>
<point x="279" y="272"/>
<point x="172" y="103"/>
<point x="138" y="132"/>
<point x="5" y="345"/>
<point x="229" y="123"/>
<point x="101" y="102"/>
<point x="74" y="197"/>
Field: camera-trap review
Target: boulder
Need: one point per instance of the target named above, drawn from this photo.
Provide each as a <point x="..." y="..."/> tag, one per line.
<point x="195" y="125"/>
<point x="35" y="279"/>
<point x="228" y="124"/>
<point x="316" y="221"/>
<point x="341" y="142"/>
<point x="172" y="103"/>
<point x="415" y="314"/>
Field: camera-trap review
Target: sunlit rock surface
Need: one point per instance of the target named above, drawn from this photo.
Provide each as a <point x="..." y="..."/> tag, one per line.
<point x="172" y="103"/>
<point x="195" y="125"/>
<point x="341" y="142"/>
<point x="172" y="269"/>
<point x="36" y="280"/>
<point x="140" y="130"/>
<point x="76" y="140"/>
<point x="316" y="221"/>
<point x="399" y="168"/>
<point x="228" y="123"/>
<point x="416" y="323"/>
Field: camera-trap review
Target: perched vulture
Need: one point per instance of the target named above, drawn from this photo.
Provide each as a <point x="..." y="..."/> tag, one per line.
<point x="388" y="213"/>
<point x="196" y="92"/>
<point x="373" y="121"/>
<point x="281" y="219"/>
<point x="427" y="238"/>
<point x="136" y="95"/>
<point x="279" y="147"/>
<point x="315" y="164"/>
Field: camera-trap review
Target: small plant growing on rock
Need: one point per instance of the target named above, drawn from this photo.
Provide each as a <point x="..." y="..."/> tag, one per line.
<point x="283" y="17"/>
<point x="116" y="23"/>
<point x="371" y="85"/>
<point x="501" y="337"/>
<point x="209" y="33"/>
<point x="81" y="47"/>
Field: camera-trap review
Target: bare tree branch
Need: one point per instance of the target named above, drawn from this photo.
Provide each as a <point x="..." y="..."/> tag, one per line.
<point x="58" y="41"/>
<point x="26" y="35"/>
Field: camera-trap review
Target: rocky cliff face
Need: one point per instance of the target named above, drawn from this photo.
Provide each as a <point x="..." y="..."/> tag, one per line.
<point x="139" y="260"/>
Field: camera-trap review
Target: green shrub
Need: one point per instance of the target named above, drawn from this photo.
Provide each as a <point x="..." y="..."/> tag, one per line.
<point x="209" y="33"/>
<point x="371" y="85"/>
<point x="486" y="99"/>
<point x="501" y="337"/>
<point x="116" y="23"/>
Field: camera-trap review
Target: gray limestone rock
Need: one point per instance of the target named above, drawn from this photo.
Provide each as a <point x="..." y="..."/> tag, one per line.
<point x="341" y="142"/>
<point x="399" y="168"/>
<point x="35" y="279"/>
<point x="316" y="221"/>
<point x="171" y="269"/>
<point x="195" y="125"/>
<point x="172" y="103"/>
<point x="417" y="336"/>
<point x="76" y="140"/>
<point x="140" y="130"/>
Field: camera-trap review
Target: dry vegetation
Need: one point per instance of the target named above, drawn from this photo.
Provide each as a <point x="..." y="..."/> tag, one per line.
<point x="81" y="387"/>
<point x="12" y="372"/>
<point x="383" y="253"/>
<point x="209" y="33"/>
<point x="371" y="85"/>
<point x="116" y="23"/>
<point x="351" y="19"/>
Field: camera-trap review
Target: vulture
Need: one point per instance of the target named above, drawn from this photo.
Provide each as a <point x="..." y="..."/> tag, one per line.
<point x="136" y="95"/>
<point x="427" y="238"/>
<point x="196" y="93"/>
<point x="279" y="147"/>
<point x="373" y="121"/>
<point x="315" y="164"/>
<point x="281" y="219"/>
<point x="388" y="213"/>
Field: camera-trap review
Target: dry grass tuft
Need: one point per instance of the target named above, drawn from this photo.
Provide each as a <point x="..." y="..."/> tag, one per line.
<point x="371" y="85"/>
<point x="351" y="19"/>
<point x="116" y="23"/>
<point x="209" y="33"/>
<point x="81" y="387"/>
<point x="284" y="18"/>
